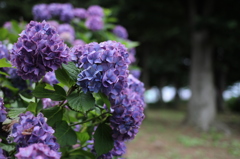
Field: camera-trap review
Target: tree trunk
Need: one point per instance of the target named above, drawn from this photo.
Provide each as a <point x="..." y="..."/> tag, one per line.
<point x="201" y="108"/>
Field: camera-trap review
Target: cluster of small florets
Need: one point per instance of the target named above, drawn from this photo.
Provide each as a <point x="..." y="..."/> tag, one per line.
<point x="38" y="151"/>
<point x="3" y="113"/>
<point x="30" y="130"/>
<point x="39" y="49"/>
<point x="105" y="67"/>
<point x="94" y="19"/>
<point x="4" y="53"/>
<point x="66" y="32"/>
<point x="120" y="32"/>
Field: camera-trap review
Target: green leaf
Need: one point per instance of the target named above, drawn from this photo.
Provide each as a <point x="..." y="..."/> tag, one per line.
<point x="102" y="97"/>
<point x="81" y="101"/>
<point x="58" y="95"/>
<point x="81" y="153"/>
<point x="27" y="99"/>
<point x="83" y="137"/>
<point x="49" y="87"/>
<point x="14" y="112"/>
<point x="32" y="107"/>
<point x="65" y="134"/>
<point x="3" y="73"/>
<point x="72" y="70"/>
<point x="53" y="115"/>
<point x="64" y="77"/>
<point x="4" y="34"/>
<point x="103" y="141"/>
<point x="7" y="148"/>
<point x="9" y="85"/>
<point x="4" y="63"/>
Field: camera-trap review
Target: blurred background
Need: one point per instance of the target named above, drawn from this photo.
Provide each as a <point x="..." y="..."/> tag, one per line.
<point x="189" y="58"/>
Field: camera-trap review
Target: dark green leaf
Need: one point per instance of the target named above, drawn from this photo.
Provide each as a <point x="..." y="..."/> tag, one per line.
<point x="64" y="77"/>
<point x="103" y="141"/>
<point x="65" y="134"/>
<point x="3" y="73"/>
<point x="53" y="114"/>
<point x="7" y="148"/>
<point x="58" y="95"/>
<point x="9" y="85"/>
<point x="72" y="70"/>
<point x="81" y="101"/>
<point x="14" y="112"/>
<point x="82" y="153"/>
<point x="102" y="97"/>
<point x="32" y="107"/>
<point x="4" y="63"/>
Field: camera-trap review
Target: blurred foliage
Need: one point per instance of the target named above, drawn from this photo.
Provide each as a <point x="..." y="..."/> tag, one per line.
<point x="233" y="104"/>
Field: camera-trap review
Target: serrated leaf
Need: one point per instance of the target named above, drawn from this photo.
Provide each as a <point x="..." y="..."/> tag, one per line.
<point x="14" y="112"/>
<point x="63" y="76"/>
<point x="4" y="63"/>
<point x="32" y="107"/>
<point x="65" y="134"/>
<point x="83" y="137"/>
<point x="53" y="114"/>
<point x="58" y="95"/>
<point x="72" y="70"/>
<point x="103" y="141"/>
<point x="81" y="101"/>
<point x="7" y="148"/>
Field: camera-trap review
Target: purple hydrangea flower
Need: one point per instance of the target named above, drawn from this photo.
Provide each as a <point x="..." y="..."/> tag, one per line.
<point x="47" y="103"/>
<point x="78" y="42"/>
<point x="94" y="23"/>
<point x="3" y="113"/>
<point x="4" y="53"/>
<point x="53" y="23"/>
<point x="80" y="13"/>
<point x="50" y="78"/>
<point x="118" y="150"/>
<point x="38" y="151"/>
<point x="66" y="32"/>
<point x="136" y="73"/>
<point x="67" y="13"/>
<point x="39" y="49"/>
<point x="95" y="10"/>
<point x="8" y="26"/>
<point x="104" y="66"/>
<point x="120" y="32"/>
<point x="41" y="12"/>
<point x="30" y="130"/>
<point x="132" y="53"/>
<point x="55" y="9"/>
<point x="2" y="155"/>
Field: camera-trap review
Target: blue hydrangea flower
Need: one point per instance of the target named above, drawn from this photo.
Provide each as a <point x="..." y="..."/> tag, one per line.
<point x="136" y="73"/>
<point x="67" y="13"/>
<point x="55" y="9"/>
<point x="105" y="66"/>
<point x="41" y="12"/>
<point x="4" y="53"/>
<point x="120" y="32"/>
<point x="66" y="32"/>
<point x="80" y="13"/>
<point x="3" y="113"/>
<point x="132" y="53"/>
<point x="39" y="49"/>
<point x="78" y="42"/>
<point x="30" y="130"/>
<point x="53" y="23"/>
<point x="94" y="23"/>
<point x="38" y="151"/>
<point x="95" y="10"/>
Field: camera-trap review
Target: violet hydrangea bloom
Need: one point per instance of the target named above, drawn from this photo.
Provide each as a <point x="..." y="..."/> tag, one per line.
<point x="78" y="42"/>
<point x="80" y="13"/>
<point x="105" y="66"/>
<point x="118" y="150"/>
<point x="37" y="151"/>
<point x="94" y="23"/>
<point x="132" y="53"/>
<point x="50" y="78"/>
<point x="41" y="12"/>
<point x="3" y="113"/>
<point x="67" y="13"/>
<point x="31" y="129"/>
<point x="4" y="53"/>
<point x="55" y="9"/>
<point x="136" y="73"/>
<point x="95" y="10"/>
<point x="47" y="103"/>
<point x="66" y="32"/>
<point x="39" y="49"/>
<point x="53" y="23"/>
<point x="120" y="32"/>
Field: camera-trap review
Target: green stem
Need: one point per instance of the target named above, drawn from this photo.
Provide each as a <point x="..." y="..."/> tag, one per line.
<point x="89" y="119"/>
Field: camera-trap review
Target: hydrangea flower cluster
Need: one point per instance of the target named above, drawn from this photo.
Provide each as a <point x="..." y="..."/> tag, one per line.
<point x="38" y="151"/>
<point x="4" y="53"/>
<point x="66" y="32"/>
<point x="8" y="26"/>
<point x="30" y="130"/>
<point x="3" y="113"/>
<point x="104" y="66"/>
<point x="94" y="19"/>
<point x="120" y="32"/>
<point x="50" y="78"/>
<point x="136" y="73"/>
<point x="39" y="49"/>
<point x="41" y="12"/>
<point x="80" y="13"/>
<point x="47" y="103"/>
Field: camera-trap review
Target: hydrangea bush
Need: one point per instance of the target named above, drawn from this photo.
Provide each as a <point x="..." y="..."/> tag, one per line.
<point x="69" y="84"/>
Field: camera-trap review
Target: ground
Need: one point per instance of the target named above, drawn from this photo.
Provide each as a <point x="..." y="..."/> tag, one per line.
<point x="163" y="136"/>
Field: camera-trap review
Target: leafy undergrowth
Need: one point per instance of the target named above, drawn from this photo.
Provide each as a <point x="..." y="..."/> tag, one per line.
<point x="163" y="136"/>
